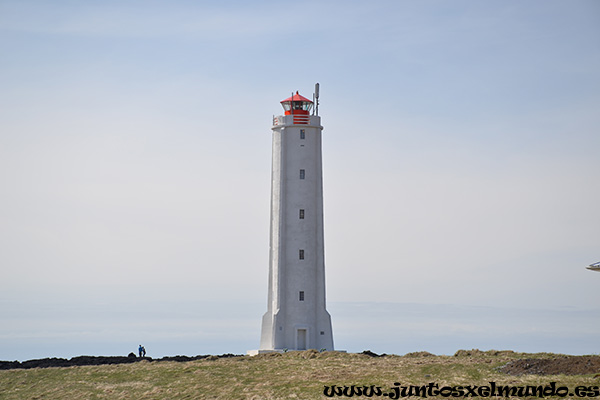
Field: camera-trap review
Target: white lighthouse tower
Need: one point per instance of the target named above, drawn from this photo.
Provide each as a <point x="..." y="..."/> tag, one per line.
<point x="296" y="317"/>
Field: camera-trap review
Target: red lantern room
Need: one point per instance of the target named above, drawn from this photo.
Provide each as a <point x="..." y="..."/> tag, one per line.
<point x="298" y="106"/>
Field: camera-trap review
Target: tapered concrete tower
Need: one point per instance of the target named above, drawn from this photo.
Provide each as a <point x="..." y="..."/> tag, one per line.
<point x="296" y="317"/>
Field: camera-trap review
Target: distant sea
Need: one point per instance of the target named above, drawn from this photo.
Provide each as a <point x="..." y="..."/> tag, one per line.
<point x="30" y="330"/>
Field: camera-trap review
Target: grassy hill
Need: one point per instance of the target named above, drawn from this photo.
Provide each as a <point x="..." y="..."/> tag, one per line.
<point x="293" y="375"/>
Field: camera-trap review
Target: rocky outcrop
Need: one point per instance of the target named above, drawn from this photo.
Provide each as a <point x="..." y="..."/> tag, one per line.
<point x="567" y="365"/>
<point x="98" y="360"/>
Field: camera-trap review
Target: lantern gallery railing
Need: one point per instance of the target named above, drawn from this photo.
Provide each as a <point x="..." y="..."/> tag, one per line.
<point x="296" y="119"/>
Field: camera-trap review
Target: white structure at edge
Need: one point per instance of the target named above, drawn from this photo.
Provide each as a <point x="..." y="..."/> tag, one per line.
<point x="296" y="317"/>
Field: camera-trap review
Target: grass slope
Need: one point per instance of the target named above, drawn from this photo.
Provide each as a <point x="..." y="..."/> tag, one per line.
<point x="294" y="375"/>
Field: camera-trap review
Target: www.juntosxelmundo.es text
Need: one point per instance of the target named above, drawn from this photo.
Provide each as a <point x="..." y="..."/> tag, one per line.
<point x="432" y="389"/>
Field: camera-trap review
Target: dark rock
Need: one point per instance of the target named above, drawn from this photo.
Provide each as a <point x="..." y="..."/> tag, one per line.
<point x="179" y="358"/>
<point x="567" y="365"/>
<point x="9" y="365"/>
<point x="370" y="353"/>
<point x="45" y="363"/>
<point x="97" y="360"/>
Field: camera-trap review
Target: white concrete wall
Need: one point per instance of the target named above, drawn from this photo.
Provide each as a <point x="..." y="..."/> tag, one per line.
<point x="288" y="274"/>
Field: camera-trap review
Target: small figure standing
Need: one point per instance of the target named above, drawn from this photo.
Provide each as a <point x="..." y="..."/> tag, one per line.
<point x="143" y="351"/>
<point x="140" y="350"/>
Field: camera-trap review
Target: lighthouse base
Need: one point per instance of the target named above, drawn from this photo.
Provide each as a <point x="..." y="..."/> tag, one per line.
<point x="257" y="352"/>
<point x="296" y="331"/>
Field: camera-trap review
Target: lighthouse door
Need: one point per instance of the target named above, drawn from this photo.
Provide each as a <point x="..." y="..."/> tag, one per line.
<point x="301" y="339"/>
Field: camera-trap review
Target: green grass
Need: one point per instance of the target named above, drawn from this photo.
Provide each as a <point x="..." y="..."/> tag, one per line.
<point x="293" y="375"/>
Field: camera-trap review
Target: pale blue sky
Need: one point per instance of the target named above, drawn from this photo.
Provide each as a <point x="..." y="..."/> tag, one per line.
<point x="460" y="166"/>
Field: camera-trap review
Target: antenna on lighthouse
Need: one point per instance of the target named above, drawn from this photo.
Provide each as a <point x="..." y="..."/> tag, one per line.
<point x="317" y="98"/>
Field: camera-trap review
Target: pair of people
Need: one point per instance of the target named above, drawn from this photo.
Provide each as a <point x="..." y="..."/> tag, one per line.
<point x="142" y="351"/>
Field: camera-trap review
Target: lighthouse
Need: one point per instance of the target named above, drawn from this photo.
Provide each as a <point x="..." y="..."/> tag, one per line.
<point x="296" y="317"/>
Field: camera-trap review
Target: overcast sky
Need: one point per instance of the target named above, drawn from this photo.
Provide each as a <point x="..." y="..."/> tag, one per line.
<point x="460" y="150"/>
